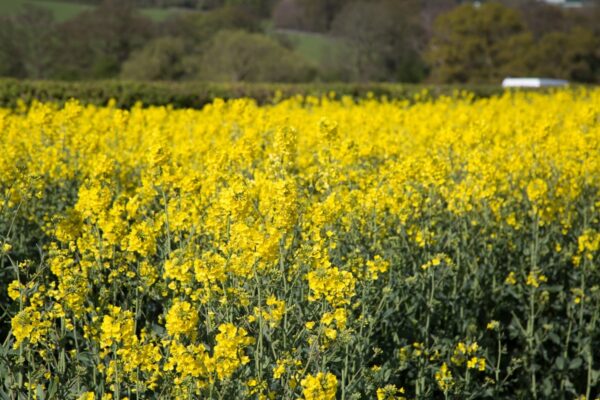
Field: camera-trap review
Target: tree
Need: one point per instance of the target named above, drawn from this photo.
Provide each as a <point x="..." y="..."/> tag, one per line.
<point x="309" y="15"/>
<point x="430" y="10"/>
<point x="540" y="17"/>
<point x="261" y="8"/>
<point x="95" y="43"/>
<point x="573" y="55"/>
<point x="477" y="44"/>
<point x="383" y="38"/>
<point x="26" y="42"/>
<point x="160" y="59"/>
<point x="235" y="56"/>
<point x="288" y="14"/>
<point x="321" y="13"/>
<point x="258" y="8"/>
<point x="198" y="28"/>
<point x="10" y="63"/>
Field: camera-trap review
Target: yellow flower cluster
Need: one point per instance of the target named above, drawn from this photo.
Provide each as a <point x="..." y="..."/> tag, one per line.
<point x="463" y="352"/>
<point x="28" y="324"/>
<point x="321" y="386"/>
<point x="229" y="350"/>
<point x="335" y="286"/>
<point x="390" y="392"/>
<point x="443" y="376"/>
<point x="181" y="319"/>
<point x="274" y="312"/>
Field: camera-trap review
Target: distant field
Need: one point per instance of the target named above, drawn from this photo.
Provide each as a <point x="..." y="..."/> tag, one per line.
<point x="63" y="10"/>
<point x="313" y="46"/>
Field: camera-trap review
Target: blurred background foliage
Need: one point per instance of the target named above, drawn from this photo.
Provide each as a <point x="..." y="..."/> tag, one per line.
<point x="433" y="41"/>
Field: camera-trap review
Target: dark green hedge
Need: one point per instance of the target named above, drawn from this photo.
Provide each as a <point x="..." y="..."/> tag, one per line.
<point x="197" y="94"/>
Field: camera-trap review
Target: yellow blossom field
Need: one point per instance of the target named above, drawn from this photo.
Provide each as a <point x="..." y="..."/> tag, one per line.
<point x="313" y="248"/>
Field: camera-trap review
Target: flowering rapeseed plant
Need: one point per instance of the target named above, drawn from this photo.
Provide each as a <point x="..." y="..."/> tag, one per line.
<point x="313" y="248"/>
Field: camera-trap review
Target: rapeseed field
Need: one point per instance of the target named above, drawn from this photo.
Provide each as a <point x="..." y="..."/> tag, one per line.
<point x="313" y="248"/>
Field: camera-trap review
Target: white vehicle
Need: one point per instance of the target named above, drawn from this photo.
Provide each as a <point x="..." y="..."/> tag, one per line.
<point x="533" y="82"/>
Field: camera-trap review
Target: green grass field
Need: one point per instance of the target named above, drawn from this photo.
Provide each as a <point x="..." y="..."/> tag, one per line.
<point x="312" y="46"/>
<point x="63" y="10"/>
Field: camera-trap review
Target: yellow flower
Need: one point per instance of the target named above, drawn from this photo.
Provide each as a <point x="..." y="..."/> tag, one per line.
<point x="93" y="201"/>
<point x="578" y="295"/>
<point x="436" y="261"/>
<point x="336" y="286"/>
<point x="274" y="313"/>
<point x="377" y="266"/>
<point x="14" y="290"/>
<point x="322" y="386"/>
<point x="29" y="324"/>
<point x="493" y="325"/>
<point x="228" y="352"/>
<point x="390" y="392"/>
<point x="536" y="189"/>
<point x="511" y="279"/>
<point x="330" y="333"/>
<point x="481" y="364"/>
<point x="117" y="326"/>
<point x="443" y="376"/>
<point x="279" y="370"/>
<point x="190" y="361"/>
<point x="472" y="363"/>
<point x="182" y="319"/>
<point x="535" y="278"/>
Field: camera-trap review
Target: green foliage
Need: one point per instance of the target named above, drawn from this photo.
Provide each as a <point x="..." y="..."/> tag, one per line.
<point x="487" y="43"/>
<point x="197" y="94"/>
<point x="63" y="10"/>
<point x="381" y="38"/>
<point x="241" y="56"/>
<point x="476" y="44"/>
<point x="26" y="43"/>
<point x="96" y="43"/>
<point x="319" y="14"/>
<point x="60" y="10"/>
<point x="361" y="40"/>
<point x="256" y="7"/>
<point x="573" y="55"/>
<point x="198" y="28"/>
<point x="160" y="59"/>
<point x="316" y="48"/>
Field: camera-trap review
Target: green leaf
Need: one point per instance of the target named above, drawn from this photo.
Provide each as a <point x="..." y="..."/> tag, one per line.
<point x="560" y="363"/>
<point x="575" y="363"/>
<point x="554" y="338"/>
<point x="595" y="376"/>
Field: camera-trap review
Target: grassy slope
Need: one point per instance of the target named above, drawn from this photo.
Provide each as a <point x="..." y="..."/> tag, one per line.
<point x="10" y="6"/>
<point x="314" y="47"/>
<point x="65" y="10"/>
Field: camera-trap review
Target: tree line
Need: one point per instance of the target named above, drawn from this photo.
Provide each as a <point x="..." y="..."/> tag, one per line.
<point x="439" y="41"/>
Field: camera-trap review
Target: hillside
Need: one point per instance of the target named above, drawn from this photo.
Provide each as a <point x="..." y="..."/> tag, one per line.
<point x="63" y="10"/>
